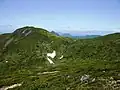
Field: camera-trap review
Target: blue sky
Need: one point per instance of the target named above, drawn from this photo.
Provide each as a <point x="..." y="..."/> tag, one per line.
<point x="75" y="16"/>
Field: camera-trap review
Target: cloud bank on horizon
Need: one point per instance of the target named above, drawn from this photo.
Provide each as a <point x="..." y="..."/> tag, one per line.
<point x="61" y="15"/>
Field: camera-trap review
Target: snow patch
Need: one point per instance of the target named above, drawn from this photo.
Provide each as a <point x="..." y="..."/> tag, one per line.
<point x="52" y="55"/>
<point x="48" y="72"/>
<point x="93" y="80"/>
<point x="8" y="42"/>
<point x="23" y="31"/>
<point x="28" y="33"/>
<point x="6" y="61"/>
<point x="104" y="71"/>
<point x="10" y="87"/>
<point x="50" y="61"/>
<point x="61" y="57"/>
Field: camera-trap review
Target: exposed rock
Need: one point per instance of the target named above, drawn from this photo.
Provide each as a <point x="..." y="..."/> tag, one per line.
<point x="104" y="71"/>
<point x="111" y="78"/>
<point x="118" y="81"/>
<point x="119" y="74"/>
<point x="68" y="88"/>
<point x="85" y="78"/>
<point x="113" y="82"/>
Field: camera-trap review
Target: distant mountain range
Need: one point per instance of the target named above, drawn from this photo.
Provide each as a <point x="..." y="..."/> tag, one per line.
<point x="74" y="36"/>
<point x="53" y="32"/>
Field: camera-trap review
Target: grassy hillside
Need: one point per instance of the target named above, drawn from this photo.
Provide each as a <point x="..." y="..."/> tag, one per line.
<point x="87" y="64"/>
<point x="3" y="38"/>
<point x="28" y="42"/>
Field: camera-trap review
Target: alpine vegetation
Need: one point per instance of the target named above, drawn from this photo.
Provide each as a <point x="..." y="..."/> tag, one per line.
<point x="42" y="60"/>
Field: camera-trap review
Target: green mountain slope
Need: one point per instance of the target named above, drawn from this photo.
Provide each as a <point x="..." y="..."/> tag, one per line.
<point x="32" y="47"/>
<point x="3" y="39"/>
<point x="23" y="41"/>
<point x="79" y="64"/>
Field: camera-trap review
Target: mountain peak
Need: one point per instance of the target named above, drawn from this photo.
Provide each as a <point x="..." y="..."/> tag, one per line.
<point x="25" y="31"/>
<point x="53" y="32"/>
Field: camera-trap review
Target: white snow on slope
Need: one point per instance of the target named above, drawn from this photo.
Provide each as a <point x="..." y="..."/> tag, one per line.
<point x="10" y="87"/>
<point x="28" y="33"/>
<point x="61" y="57"/>
<point x="50" y="61"/>
<point x="23" y="31"/>
<point x="48" y="72"/>
<point x="6" y="61"/>
<point x="8" y="42"/>
<point x="52" y="55"/>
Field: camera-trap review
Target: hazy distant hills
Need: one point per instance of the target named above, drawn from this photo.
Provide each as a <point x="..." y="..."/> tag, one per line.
<point x="74" y="36"/>
<point x="53" y="32"/>
<point x="86" y="36"/>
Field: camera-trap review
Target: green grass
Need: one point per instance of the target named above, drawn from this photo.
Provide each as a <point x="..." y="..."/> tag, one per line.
<point x="32" y="81"/>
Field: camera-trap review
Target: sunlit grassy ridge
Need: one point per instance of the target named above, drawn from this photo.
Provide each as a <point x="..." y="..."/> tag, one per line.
<point x="23" y="60"/>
